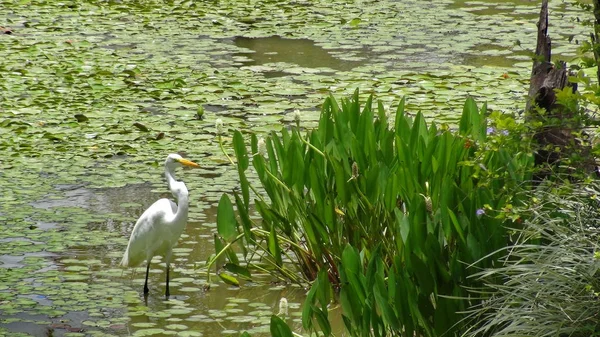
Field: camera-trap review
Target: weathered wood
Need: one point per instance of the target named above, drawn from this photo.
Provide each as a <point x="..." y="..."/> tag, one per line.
<point x="596" y="36"/>
<point x="544" y="45"/>
<point x="556" y="132"/>
<point x="544" y="76"/>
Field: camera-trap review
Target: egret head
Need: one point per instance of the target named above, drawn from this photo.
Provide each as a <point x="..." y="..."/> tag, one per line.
<point x="174" y="161"/>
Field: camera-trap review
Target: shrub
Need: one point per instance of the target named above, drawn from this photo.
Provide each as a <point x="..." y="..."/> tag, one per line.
<point x="388" y="213"/>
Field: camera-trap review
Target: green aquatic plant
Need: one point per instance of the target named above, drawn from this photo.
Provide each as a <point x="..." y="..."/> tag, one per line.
<point x="367" y="192"/>
<point x="549" y="282"/>
<point x="93" y="90"/>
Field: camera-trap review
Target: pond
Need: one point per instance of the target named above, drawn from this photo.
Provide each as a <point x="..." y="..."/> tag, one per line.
<point x="95" y="94"/>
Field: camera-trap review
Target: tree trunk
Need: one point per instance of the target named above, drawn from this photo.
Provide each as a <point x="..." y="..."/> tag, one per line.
<point x="596" y="36"/>
<point x="555" y="136"/>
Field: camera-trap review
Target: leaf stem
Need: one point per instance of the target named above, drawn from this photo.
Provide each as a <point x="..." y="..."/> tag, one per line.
<point x="312" y="147"/>
<point x="223" y="150"/>
<point x="219" y="254"/>
<point x="279" y="182"/>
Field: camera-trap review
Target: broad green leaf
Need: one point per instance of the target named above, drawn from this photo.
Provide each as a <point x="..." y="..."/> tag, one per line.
<point x="229" y="279"/>
<point x="279" y="328"/>
<point x="474" y="246"/>
<point x="404" y="224"/>
<point x="470" y="118"/>
<point x="308" y="308"/>
<point x="274" y="248"/>
<point x="243" y="272"/>
<point x="351" y="260"/>
<point x="457" y="226"/>
<point x="245" y="219"/>
<point x="323" y="320"/>
<point x="273" y="159"/>
<point x="242" y="164"/>
<point x="422" y="272"/>
<point x="227" y="226"/>
<point x="323" y="288"/>
<point x="240" y="150"/>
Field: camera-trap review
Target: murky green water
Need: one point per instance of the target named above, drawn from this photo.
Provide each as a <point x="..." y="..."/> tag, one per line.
<point x="300" y="52"/>
<point x="76" y="173"/>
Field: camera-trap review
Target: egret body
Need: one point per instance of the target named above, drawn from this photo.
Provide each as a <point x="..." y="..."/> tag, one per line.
<point x="157" y="230"/>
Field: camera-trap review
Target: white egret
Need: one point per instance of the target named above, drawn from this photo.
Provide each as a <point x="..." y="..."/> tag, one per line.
<point x="159" y="227"/>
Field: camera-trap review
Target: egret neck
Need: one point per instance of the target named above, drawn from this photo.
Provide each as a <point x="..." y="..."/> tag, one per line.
<point x="180" y="193"/>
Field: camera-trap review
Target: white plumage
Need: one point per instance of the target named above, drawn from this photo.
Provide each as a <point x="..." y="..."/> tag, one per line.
<point x="158" y="229"/>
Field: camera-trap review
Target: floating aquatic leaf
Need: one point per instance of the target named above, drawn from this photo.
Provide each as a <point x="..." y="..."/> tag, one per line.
<point x="178" y="311"/>
<point x="81" y="118"/>
<point x="230" y="332"/>
<point x="189" y="333"/>
<point x="136" y="313"/>
<point x="234" y="311"/>
<point x="148" y="332"/>
<point x="198" y="318"/>
<point x="141" y="127"/>
<point x="238" y="300"/>
<point x="189" y="289"/>
<point x="74" y="334"/>
<point x="158" y="314"/>
<point x="229" y="279"/>
<point x="176" y="327"/>
<point x="76" y="268"/>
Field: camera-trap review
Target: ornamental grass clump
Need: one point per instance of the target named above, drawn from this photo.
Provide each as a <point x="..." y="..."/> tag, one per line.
<point x="548" y="283"/>
<point x="384" y="213"/>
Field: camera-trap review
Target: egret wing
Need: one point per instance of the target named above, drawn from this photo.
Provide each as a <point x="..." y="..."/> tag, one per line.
<point x="148" y="233"/>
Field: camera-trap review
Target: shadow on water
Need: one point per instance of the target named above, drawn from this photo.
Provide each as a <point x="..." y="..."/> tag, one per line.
<point x="301" y="52"/>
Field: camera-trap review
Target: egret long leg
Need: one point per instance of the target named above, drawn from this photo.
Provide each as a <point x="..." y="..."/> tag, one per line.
<point x="168" y="262"/>
<point x="146" y="290"/>
<point x="167" y="291"/>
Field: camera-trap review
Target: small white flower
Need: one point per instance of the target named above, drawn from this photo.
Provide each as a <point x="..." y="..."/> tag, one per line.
<point x="219" y="126"/>
<point x="262" y="147"/>
<point x="297" y="116"/>
<point x="283" y="307"/>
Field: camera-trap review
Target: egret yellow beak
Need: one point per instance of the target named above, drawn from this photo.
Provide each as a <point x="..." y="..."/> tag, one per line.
<point x="188" y="163"/>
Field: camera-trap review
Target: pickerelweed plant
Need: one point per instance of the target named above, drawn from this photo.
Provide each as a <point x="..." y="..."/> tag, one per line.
<point x="386" y="213"/>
